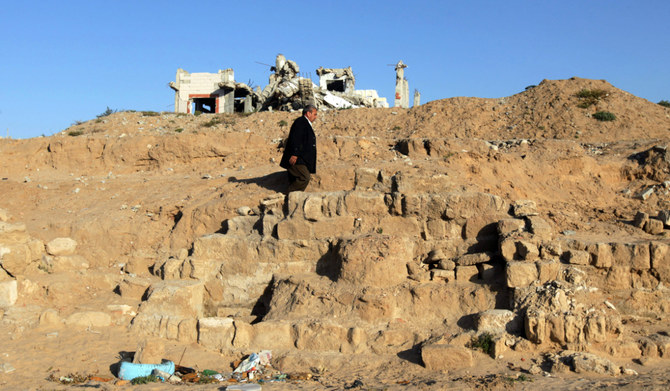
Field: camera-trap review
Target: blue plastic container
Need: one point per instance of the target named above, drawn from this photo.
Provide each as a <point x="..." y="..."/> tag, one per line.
<point x="129" y="371"/>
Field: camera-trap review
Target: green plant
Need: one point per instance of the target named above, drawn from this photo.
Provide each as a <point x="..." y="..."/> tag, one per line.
<point x="380" y="230"/>
<point x="179" y="130"/>
<point x="664" y="103"/>
<point x="75" y="133"/>
<point x="212" y="122"/>
<point x="590" y="97"/>
<point x="282" y="123"/>
<point x="483" y="342"/>
<point x="106" y="112"/>
<point x="197" y="113"/>
<point x="604" y="116"/>
<point x="150" y="114"/>
<point x="144" y="380"/>
<point x="396" y="127"/>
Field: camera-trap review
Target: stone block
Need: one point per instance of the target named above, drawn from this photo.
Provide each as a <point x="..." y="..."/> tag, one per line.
<point x="473" y="259"/>
<point x="61" y="246"/>
<point x="187" y="330"/>
<point x="640" y="259"/>
<point x="269" y="225"/>
<point x="623" y="349"/>
<point x="68" y="263"/>
<point x="320" y="336"/>
<point x="203" y="269"/>
<point x="170" y="269"/>
<point x="89" y="319"/>
<point x="551" y="250"/>
<point x="36" y="248"/>
<point x="527" y="251"/>
<point x="375" y="260"/>
<point x="653" y="227"/>
<point x="13" y="232"/>
<point x="224" y="247"/>
<point x="601" y="254"/>
<point x="332" y="227"/>
<point x="149" y="351"/>
<point x="138" y="265"/>
<point x="434" y="229"/>
<point x="548" y="270"/>
<point x="443" y="357"/>
<point x="507" y="248"/>
<point x="133" y="287"/>
<point x="443" y="275"/>
<point x="521" y="274"/>
<point x="664" y="216"/>
<point x="643" y="280"/>
<point x="244" y="334"/>
<point x="216" y="333"/>
<point x="577" y="257"/>
<point x="660" y="260"/>
<point x="176" y="298"/>
<point x="365" y="178"/>
<point x="446" y="264"/>
<point x="15" y="258"/>
<point x="663" y="343"/>
<point x="540" y="228"/>
<point x="467" y="273"/>
<point x="241" y="225"/>
<point x="365" y="203"/>
<point x="640" y="219"/>
<point x="294" y="229"/>
<point x="618" y="278"/>
<point x="313" y="207"/>
<point x="8" y="293"/>
<point x="523" y="208"/>
<point x="497" y="320"/>
<point x="400" y="226"/>
<point x="508" y="226"/>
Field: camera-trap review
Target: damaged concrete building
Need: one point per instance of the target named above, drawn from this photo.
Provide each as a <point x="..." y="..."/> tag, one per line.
<point x="212" y="93"/>
<point x="287" y="90"/>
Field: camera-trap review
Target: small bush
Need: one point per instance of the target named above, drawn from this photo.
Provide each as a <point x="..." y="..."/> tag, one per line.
<point x="664" y="103"/>
<point x="282" y="123"/>
<point x="106" y="113"/>
<point x="213" y="122"/>
<point x="483" y="342"/>
<point x="590" y="97"/>
<point x="150" y="114"/>
<point x="604" y="116"/>
<point x="179" y="130"/>
<point x="197" y="113"/>
<point x="75" y="133"/>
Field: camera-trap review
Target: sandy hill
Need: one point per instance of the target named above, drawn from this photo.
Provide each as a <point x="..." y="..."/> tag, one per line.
<point x="153" y="199"/>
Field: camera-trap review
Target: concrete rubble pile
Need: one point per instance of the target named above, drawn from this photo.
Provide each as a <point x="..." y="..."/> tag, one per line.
<point x="288" y="90"/>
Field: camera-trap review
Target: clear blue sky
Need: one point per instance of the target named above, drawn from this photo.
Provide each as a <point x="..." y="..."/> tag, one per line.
<point x="64" y="61"/>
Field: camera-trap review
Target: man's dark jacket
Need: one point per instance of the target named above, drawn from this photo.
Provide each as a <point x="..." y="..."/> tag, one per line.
<point x="301" y="142"/>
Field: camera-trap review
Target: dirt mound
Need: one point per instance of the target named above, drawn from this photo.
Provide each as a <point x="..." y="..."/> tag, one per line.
<point x="420" y="226"/>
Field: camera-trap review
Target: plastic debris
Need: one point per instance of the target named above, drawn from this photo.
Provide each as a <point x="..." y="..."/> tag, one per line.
<point x="129" y="371"/>
<point x="249" y="364"/>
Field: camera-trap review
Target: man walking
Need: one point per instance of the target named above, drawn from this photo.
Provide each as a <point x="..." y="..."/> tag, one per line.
<point x="299" y="157"/>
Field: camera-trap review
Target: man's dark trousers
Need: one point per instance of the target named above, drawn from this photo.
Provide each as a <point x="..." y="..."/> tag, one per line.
<point x="298" y="177"/>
